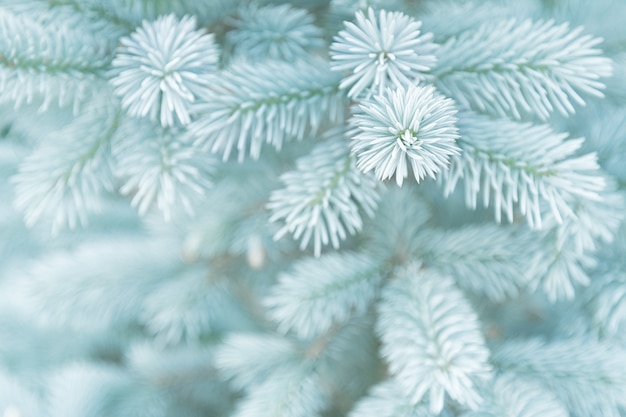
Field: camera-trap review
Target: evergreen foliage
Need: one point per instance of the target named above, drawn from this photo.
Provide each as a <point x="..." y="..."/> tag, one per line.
<point x="205" y="211"/>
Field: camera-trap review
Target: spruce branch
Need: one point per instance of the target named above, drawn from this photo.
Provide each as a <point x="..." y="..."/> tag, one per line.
<point x="249" y="359"/>
<point x="213" y="313"/>
<point x="585" y="374"/>
<point x="566" y="255"/>
<point x="248" y="105"/>
<point x="604" y="128"/>
<point x="521" y="164"/>
<point x="287" y="378"/>
<point x="431" y="339"/>
<point x="319" y="292"/>
<point x="324" y="198"/>
<point x="291" y="392"/>
<point x="53" y="63"/>
<point x="82" y="389"/>
<point x="559" y="269"/>
<point x="188" y="308"/>
<point x="118" y="270"/>
<point x="606" y="299"/>
<point x="609" y="302"/>
<point x="66" y="177"/>
<point x="529" y="67"/>
<point x="515" y="396"/>
<point x="488" y="260"/>
<point x="157" y="168"/>
<point x="278" y="380"/>
<point x="594" y="222"/>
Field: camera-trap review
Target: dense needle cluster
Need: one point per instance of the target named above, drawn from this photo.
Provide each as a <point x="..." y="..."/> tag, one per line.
<point x="162" y="66"/>
<point x="413" y="127"/>
<point x="379" y="51"/>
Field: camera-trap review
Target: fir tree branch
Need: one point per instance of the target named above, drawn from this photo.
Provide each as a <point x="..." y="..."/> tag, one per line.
<point x="81" y="389"/>
<point x="249" y="359"/>
<point x="515" y="396"/>
<point x="252" y="328"/>
<point x="188" y="308"/>
<point x="529" y="67"/>
<point x="66" y="187"/>
<point x="586" y="375"/>
<point x="485" y="259"/>
<point x="564" y="257"/>
<point x="292" y="392"/>
<point x="118" y="270"/>
<point x="521" y="164"/>
<point x="278" y="381"/>
<point x="247" y="99"/>
<point x="319" y="292"/>
<point x="608" y="303"/>
<point x="431" y="339"/>
<point x="323" y="198"/>
<point x="158" y="169"/>
<point x="48" y="61"/>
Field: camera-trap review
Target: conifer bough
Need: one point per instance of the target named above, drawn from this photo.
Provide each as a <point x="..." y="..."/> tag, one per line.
<point x="206" y="209"/>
